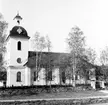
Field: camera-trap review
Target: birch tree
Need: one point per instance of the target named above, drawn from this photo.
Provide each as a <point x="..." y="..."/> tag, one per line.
<point x="104" y="62"/>
<point x="48" y="43"/>
<point x="42" y="44"/>
<point x="3" y="29"/>
<point x="76" y="44"/>
<point x="49" y="46"/>
<point x="38" y="45"/>
<point x="91" y="55"/>
<point x="104" y="56"/>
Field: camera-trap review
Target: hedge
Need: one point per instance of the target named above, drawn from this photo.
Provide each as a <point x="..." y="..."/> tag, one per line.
<point x="31" y="90"/>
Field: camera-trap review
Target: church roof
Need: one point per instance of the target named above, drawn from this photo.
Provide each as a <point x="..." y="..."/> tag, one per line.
<point x="18" y="31"/>
<point x="43" y="59"/>
<point x="55" y="59"/>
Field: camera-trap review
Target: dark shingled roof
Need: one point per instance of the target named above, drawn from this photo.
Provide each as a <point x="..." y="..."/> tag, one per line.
<point x="55" y="59"/>
<point x="22" y="32"/>
<point x="45" y="58"/>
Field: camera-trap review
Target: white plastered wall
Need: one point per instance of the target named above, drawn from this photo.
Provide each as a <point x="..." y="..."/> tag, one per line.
<point x="55" y="77"/>
<point x="12" y="76"/>
<point x="41" y="78"/>
<point x="27" y="76"/>
<point x="14" y="53"/>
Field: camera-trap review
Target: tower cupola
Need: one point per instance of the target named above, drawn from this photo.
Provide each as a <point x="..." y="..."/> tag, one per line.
<point x="18" y="31"/>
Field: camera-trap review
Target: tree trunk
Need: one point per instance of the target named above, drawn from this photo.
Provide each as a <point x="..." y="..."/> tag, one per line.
<point x="40" y="60"/>
<point x="73" y="83"/>
<point x="46" y="76"/>
<point x="50" y="84"/>
<point x="36" y="65"/>
<point x="74" y="73"/>
<point x="70" y="81"/>
<point x="60" y="75"/>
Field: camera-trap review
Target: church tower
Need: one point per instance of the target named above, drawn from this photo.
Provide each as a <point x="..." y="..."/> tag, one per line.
<point x="17" y="55"/>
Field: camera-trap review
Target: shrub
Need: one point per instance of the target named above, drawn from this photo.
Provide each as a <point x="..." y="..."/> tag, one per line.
<point x="26" y="90"/>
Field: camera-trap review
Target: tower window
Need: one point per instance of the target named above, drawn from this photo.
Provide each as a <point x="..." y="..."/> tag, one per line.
<point x="19" y="45"/>
<point x="19" y="60"/>
<point x="18" y="77"/>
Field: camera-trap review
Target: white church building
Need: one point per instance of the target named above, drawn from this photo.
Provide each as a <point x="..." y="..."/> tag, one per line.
<point x="21" y="70"/>
<point x="18" y="73"/>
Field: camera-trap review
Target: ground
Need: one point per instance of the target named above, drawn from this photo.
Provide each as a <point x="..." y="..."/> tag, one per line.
<point x="91" y="97"/>
<point x="73" y="95"/>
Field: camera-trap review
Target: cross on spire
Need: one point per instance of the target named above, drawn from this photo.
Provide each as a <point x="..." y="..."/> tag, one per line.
<point x="18" y="18"/>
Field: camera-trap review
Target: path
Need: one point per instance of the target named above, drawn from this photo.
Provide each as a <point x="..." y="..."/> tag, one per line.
<point x="68" y="96"/>
<point x="59" y="96"/>
<point x="100" y="104"/>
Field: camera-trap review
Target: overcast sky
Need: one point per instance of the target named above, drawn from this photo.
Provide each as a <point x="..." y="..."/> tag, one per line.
<point x="57" y="17"/>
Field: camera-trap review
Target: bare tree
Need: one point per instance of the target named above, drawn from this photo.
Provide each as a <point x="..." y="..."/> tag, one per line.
<point x="64" y="66"/>
<point x="48" y="45"/>
<point x="68" y="74"/>
<point x="104" y="56"/>
<point x="35" y="45"/>
<point x="76" y="43"/>
<point x="91" y="55"/>
<point x="38" y="44"/>
<point x="42" y="47"/>
<point x="3" y="29"/>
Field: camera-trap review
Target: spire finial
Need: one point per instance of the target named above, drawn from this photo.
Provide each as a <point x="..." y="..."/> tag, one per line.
<point x="18" y="18"/>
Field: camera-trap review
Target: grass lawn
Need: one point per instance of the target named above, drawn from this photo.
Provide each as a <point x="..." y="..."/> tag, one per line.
<point x="80" y="94"/>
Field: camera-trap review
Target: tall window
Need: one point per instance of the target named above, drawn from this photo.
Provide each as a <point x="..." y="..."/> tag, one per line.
<point x="63" y="77"/>
<point x="18" y="77"/>
<point x="49" y="76"/>
<point x="19" y="45"/>
<point x="35" y="76"/>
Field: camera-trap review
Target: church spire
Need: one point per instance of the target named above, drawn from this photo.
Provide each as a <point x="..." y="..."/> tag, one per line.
<point x="18" y="18"/>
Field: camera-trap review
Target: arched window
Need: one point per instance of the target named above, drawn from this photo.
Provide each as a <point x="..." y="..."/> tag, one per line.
<point x="18" y="77"/>
<point x="19" y="45"/>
